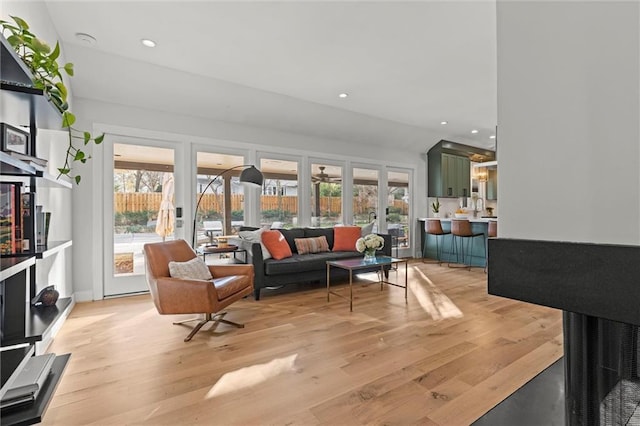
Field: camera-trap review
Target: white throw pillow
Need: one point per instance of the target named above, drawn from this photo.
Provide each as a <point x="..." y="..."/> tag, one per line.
<point x="367" y="229"/>
<point x="256" y="237"/>
<point x="194" y="269"/>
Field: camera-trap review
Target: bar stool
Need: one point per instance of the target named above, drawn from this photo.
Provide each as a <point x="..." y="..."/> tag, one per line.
<point x="492" y="229"/>
<point x="492" y="232"/>
<point x="433" y="227"/>
<point x="461" y="228"/>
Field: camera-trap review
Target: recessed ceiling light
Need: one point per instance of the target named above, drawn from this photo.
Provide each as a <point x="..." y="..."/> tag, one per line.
<point x="474" y="131"/>
<point x="444" y="122"/>
<point x="148" y="42"/>
<point x="492" y="137"/>
<point x="343" y="95"/>
<point x="87" y="38"/>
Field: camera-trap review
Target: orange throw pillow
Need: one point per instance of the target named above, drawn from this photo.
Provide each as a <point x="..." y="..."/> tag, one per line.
<point x="275" y="242"/>
<point x="345" y="238"/>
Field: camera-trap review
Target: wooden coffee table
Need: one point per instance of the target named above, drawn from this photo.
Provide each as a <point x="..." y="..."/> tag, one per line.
<point x="359" y="263"/>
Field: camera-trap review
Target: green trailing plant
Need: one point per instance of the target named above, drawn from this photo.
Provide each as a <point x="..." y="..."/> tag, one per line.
<point x="436" y="206"/>
<point x="47" y="76"/>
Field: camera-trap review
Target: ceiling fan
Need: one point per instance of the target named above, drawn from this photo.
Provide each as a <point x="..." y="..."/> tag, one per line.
<point x="323" y="177"/>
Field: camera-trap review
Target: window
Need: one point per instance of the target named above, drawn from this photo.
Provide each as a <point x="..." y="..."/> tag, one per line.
<point x="398" y="202"/>
<point x="365" y="195"/>
<point x="279" y="199"/>
<point x="221" y="210"/>
<point x="326" y="195"/>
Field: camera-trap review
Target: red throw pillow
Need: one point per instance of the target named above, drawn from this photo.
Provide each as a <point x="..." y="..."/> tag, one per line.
<point x="277" y="245"/>
<point x="345" y="238"/>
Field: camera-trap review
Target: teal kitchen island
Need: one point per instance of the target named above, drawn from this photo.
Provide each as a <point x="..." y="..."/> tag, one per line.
<point x="477" y="255"/>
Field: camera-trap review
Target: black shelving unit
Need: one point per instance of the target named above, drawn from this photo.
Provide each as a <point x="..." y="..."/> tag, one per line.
<point x="33" y="412"/>
<point x="36" y="323"/>
<point x="10" y="266"/>
<point x="16" y="83"/>
<point x="51" y="248"/>
<point x="22" y="325"/>
<point x="14" y="359"/>
<point x="12" y="166"/>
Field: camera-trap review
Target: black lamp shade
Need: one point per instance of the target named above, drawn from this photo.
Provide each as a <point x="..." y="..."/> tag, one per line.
<point x="252" y="176"/>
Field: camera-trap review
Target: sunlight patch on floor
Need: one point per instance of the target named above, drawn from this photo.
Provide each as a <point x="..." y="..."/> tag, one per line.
<point x="432" y="299"/>
<point x="251" y="376"/>
<point x="140" y="318"/>
<point x="154" y="411"/>
<point x="78" y="323"/>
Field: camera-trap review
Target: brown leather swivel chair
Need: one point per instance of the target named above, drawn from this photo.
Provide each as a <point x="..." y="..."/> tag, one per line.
<point x="183" y="296"/>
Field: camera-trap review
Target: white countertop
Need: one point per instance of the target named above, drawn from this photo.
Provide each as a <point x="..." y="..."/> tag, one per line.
<point x="470" y="218"/>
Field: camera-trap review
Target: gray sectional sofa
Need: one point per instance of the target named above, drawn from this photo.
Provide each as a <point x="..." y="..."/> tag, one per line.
<point x="300" y="268"/>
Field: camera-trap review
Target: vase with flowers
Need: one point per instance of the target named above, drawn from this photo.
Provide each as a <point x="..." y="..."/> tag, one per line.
<point x="368" y="245"/>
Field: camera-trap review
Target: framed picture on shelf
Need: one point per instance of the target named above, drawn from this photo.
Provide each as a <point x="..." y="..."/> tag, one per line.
<point x="14" y="139"/>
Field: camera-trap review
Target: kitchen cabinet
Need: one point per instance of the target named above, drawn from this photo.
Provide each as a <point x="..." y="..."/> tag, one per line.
<point x="21" y="324"/>
<point x="449" y="168"/>
<point x="492" y="184"/>
<point x="449" y="175"/>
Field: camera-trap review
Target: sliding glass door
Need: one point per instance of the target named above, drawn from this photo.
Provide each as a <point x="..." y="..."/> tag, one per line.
<point x="398" y="212"/>
<point x="142" y="209"/>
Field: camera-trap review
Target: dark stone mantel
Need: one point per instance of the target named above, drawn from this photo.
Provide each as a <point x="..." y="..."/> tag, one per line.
<point x="598" y="288"/>
<point x="598" y="280"/>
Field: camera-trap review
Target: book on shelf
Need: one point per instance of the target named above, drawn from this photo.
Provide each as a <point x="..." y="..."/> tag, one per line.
<point x="10" y="218"/>
<point x="42" y="226"/>
<point x="28" y="219"/>
<point x="29" y="381"/>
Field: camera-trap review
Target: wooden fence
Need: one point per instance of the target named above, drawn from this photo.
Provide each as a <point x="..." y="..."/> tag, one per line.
<point x="150" y="201"/>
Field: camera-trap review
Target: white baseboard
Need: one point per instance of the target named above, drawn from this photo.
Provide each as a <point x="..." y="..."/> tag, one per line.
<point x="83" y="296"/>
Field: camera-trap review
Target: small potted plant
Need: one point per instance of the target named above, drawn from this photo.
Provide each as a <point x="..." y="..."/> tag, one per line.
<point x="435" y="206"/>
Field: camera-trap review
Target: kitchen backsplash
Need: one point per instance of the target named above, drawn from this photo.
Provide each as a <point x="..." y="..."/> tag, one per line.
<point x="448" y="206"/>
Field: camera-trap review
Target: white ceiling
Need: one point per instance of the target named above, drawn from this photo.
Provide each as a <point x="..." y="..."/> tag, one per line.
<point x="406" y="65"/>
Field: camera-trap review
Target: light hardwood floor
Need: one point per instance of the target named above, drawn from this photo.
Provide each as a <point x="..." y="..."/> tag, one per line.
<point x="445" y="358"/>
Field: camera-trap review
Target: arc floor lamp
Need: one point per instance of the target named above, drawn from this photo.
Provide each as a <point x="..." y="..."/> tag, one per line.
<point x="250" y="175"/>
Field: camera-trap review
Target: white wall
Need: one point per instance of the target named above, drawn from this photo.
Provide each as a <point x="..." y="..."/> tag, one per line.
<point x="56" y="270"/>
<point x="568" y="121"/>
